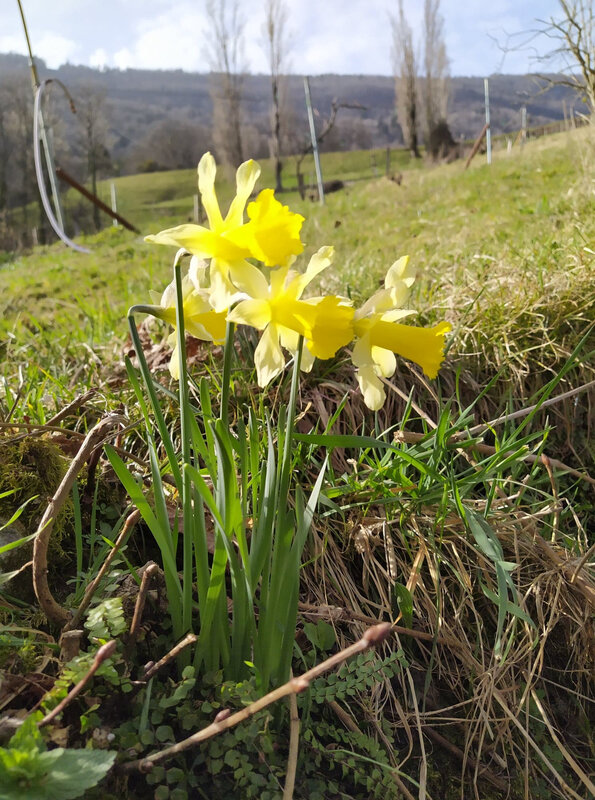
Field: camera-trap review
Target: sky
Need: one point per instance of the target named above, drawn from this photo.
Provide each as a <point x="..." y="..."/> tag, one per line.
<point x="326" y="36"/>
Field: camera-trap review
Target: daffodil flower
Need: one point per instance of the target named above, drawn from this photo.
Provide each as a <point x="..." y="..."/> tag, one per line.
<point x="276" y="308"/>
<point x="200" y="319"/>
<point x="271" y="235"/>
<point x="380" y="335"/>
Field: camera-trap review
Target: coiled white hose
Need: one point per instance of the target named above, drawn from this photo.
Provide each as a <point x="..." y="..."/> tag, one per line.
<point x="39" y="170"/>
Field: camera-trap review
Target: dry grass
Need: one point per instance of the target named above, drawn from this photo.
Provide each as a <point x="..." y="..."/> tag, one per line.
<point x="502" y="718"/>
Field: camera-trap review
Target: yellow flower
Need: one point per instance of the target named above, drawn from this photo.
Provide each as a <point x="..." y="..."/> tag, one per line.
<point x="200" y="320"/>
<point x="276" y="308"/>
<point x="272" y="235"/>
<point x="216" y="241"/>
<point x="380" y="336"/>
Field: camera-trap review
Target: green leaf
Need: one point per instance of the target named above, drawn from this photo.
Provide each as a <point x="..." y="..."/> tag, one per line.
<point x="359" y="442"/>
<point x="403" y="602"/>
<point x="322" y="635"/>
<point x="61" y="775"/>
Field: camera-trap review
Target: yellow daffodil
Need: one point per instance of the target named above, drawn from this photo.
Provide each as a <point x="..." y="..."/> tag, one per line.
<point x="200" y="320"/>
<point x="271" y="235"/>
<point x="380" y="336"/>
<point x="276" y="308"/>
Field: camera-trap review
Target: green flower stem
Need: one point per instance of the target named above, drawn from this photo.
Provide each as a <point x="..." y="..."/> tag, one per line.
<point x="150" y="387"/>
<point x="289" y="426"/>
<point x="186" y="437"/>
<point x="226" y="376"/>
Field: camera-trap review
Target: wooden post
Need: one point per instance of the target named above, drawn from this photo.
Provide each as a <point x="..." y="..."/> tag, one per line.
<point x="64" y="176"/>
<point x="475" y="147"/>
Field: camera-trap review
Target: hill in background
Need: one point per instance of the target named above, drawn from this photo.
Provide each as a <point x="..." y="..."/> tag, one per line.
<point x="139" y="106"/>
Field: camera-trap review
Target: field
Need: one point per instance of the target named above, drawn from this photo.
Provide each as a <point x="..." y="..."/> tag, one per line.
<point x="461" y="512"/>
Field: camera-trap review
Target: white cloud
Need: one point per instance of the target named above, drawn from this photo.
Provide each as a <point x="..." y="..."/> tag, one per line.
<point x="344" y="36"/>
<point x="55" y="49"/>
<point x="12" y="44"/>
<point x="98" y="58"/>
<point x="51" y="47"/>
<point x="172" y="40"/>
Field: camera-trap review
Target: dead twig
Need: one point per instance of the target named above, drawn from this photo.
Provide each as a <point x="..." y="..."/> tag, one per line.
<point x="105" y="651"/>
<point x="371" y="638"/>
<point x="96" y="436"/>
<point x="129" y="523"/>
<point x="190" y="638"/>
<point x="150" y="570"/>
<point x="486" y="449"/>
<point x="336" y="613"/>
<point x="523" y="412"/>
<point x="294" y="745"/>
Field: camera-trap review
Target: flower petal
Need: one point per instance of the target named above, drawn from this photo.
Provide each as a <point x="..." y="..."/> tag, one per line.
<point x="249" y="279"/>
<point x="246" y="177"/>
<point x="207" y="170"/>
<point x="268" y="356"/>
<point x="319" y="261"/>
<point x="371" y="387"/>
<point x="385" y="361"/>
<point x="256" y="313"/>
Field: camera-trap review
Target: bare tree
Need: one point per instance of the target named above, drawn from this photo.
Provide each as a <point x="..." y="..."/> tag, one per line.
<point x="405" y="72"/>
<point x="435" y="86"/>
<point x="93" y="138"/>
<point x="574" y="30"/>
<point x="171" y="144"/>
<point x="327" y="127"/>
<point x="225" y="49"/>
<point x="277" y="46"/>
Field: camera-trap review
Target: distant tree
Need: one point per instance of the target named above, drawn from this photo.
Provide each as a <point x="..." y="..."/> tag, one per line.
<point x="405" y="72"/>
<point x="21" y="182"/>
<point x="435" y="84"/>
<point x="172" y="144"/>
<point x="5" y="148"/>
<point x="277" y="45"/>
<point x="574" y="30"/>
<point x="93" y="138"/>
<point x="225" y="51"/>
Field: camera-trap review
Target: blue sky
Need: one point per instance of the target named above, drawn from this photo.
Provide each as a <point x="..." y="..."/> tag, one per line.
<point x="342" y="36"/>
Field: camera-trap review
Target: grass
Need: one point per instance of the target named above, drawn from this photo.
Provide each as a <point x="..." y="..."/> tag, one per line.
<point x="477" y="545"/>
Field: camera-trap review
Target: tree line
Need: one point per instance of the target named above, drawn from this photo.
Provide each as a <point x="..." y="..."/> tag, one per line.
<point x="85" y="145"/>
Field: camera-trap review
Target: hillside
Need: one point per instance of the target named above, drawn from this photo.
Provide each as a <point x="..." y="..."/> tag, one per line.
<point x="137" y="100"/>
<point x="459" y="515"/>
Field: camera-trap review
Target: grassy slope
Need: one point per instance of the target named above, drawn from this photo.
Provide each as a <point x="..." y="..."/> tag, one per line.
<point x="505" y="252"/>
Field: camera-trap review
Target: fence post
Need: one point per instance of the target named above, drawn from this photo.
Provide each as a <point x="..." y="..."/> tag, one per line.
<point x="488" y="131"/>
<point x="114" y="203"/>
<point x="314" y="141"/>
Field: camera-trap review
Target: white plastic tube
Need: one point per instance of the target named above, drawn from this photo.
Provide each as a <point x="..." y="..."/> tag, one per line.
<point x="40" y="178"/>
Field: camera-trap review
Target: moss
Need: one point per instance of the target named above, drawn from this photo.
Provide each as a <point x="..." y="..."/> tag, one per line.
<point x="32" y="468"/>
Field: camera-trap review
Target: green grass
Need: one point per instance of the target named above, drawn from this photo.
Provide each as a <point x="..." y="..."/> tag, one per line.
<point x="506" y="253"/>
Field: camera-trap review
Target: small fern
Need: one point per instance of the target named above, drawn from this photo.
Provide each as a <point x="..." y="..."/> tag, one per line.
<point x="356" y="676"/>
<point x="106" y="620"/>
